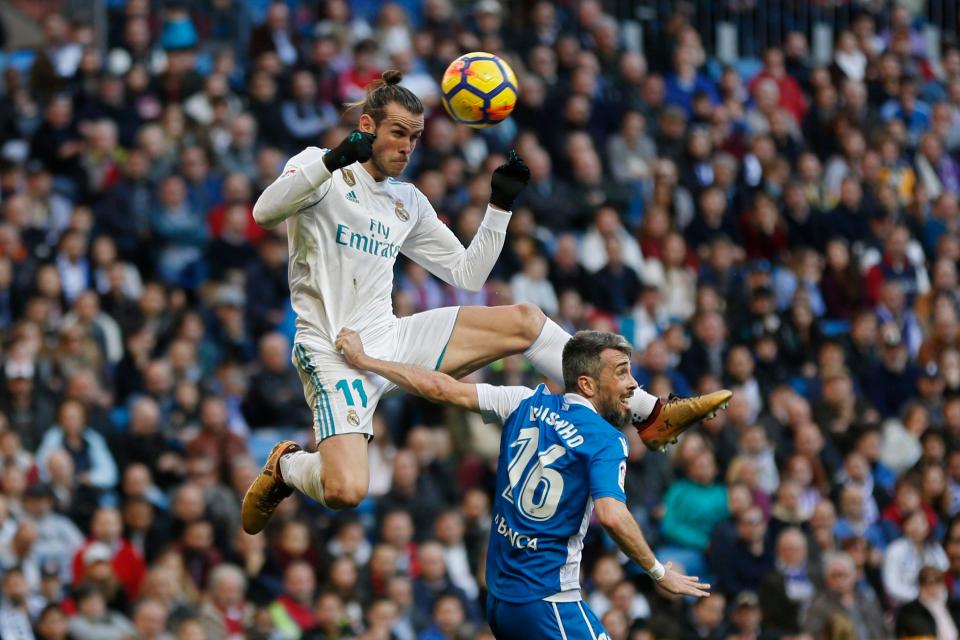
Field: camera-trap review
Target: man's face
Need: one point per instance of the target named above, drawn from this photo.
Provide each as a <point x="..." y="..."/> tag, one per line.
<point x="228" y="593"/>
<point x="329" y="611"/>
<point x="792" y="549"/>
<point x="150" y="620"/>
<point x="709" y="611"/>
<point x="448" y="614"/>
<point x="107" y="525"/>
<point x="840" y="577"/>
<point x="15" y="588"/>
<point x="397" y="137"/>
<point x="614" y="388"/>
<point x="300" y="583"/>
<point x="53" y="625"/>
<point x="703" y="468"/>
<point x="751" y="527"/>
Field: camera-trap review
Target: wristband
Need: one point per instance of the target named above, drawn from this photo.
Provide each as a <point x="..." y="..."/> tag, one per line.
<point x="656" y="571"/>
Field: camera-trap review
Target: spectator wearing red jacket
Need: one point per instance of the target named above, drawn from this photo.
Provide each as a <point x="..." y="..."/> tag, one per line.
<point x="292" y="612"/>
<point x="791" y="95"/>
<point x="106" y="527"/>
<point x="894" y="265"/>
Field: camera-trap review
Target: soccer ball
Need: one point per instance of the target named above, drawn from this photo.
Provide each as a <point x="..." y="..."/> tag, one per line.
<point x="479" y="89"/>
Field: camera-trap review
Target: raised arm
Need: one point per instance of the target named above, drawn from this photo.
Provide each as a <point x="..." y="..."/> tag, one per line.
<point x="431" y="385"/>
<point x="438" y="250"/>
<point x="304" y="174"/>
<point x="616" y="519"/>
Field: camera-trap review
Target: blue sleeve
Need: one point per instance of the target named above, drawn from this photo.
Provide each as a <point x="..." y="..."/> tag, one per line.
<point x="608" y="466"/>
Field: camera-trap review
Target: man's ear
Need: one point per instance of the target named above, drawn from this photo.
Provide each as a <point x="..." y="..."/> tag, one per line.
<point x="587" y="386"/>
<point x="367" y="124"/>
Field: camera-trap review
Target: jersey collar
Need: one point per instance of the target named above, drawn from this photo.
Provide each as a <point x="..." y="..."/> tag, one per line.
<point x="576" y="398"/>
<point x="366" y="178"/>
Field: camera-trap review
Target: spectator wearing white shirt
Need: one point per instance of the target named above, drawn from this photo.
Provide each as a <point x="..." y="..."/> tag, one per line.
<point x="58" y="538"/>
<point x="649" y="317"/>
<point x="531" y="285"/>
<point x="449" y="530"/>
<point x="676" y="280"/>
<point x="755" y="445"/>
<point x="900" y="448"/>
<point x="415" y="77"/>
<point x="75" y="270"/>
<point x="631" y="152"/>
<point x="91" y="456"/>
<point x="907" y="555"/>
<point x="593" y="253"/>
<point x="61" y="51"/>
<point x="17" y="607"/>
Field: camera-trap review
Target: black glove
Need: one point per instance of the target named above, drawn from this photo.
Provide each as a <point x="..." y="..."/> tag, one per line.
<point x="508" y="181"/>
<point x="356" y="147"/>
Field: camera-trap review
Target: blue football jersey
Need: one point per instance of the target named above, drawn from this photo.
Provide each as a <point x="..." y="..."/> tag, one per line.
<point x="557" y="456"/>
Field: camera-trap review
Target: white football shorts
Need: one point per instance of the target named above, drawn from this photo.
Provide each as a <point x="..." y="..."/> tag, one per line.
<point x="343" y="399"/>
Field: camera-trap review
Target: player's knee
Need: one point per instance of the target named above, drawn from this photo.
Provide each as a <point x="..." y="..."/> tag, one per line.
<point x="343" y="494"/>
<point x="529" y="321"/>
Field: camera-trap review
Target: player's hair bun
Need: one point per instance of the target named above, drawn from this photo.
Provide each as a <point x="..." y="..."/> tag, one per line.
<point x="387" y="89"/>
<point x="391" y="76"/>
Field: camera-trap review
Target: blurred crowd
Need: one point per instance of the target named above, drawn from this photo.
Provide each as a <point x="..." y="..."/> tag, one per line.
<point x="783" y="229"/>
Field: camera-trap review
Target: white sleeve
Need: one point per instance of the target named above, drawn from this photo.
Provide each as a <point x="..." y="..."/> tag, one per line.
<point x="434" y="247"/>
<point x="497" y="403"/>
<point x="298" y="186"/>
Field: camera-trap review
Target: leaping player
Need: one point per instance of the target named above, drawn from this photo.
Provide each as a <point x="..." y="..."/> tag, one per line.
<point x="347" y="220"/>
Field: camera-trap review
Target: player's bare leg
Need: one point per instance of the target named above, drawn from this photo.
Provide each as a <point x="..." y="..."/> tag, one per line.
<point x="344" y="470"/>
<point x="486" y="334"/>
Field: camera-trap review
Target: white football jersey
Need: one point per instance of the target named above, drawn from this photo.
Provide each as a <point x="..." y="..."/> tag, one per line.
<point x="344" y="233"/>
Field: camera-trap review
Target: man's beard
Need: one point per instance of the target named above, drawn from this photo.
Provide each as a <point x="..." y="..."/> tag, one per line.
<point x="614" y="413"/>
<point x="383" y="168"/>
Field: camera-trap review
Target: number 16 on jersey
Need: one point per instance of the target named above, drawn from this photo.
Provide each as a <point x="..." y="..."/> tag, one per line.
<point x="538" y="486"/>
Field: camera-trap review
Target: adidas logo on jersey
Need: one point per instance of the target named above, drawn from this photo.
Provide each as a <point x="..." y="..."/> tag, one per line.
<point x="352" y="197"/>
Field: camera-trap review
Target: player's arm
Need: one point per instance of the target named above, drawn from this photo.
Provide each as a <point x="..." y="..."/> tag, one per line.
<point x="438" y="250"/>
<point x="616" y="519"/>
<point x="431" y="385"/>
<point x="304" y="174"/>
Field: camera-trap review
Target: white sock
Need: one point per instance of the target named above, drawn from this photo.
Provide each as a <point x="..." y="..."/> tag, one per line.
<point x="641" y="404"/>
<point x="546" y="354"/>
<point x="301" y="471"/>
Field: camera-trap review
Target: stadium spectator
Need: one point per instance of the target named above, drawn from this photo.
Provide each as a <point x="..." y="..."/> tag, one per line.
<point x="92" y="460"/>
<point x="106" y="530"/>
<point x="94" y="619"/>
<point x="150" y="620"/>
<point x="225" y="614"/>
<point x="291" y="613"/>
<point x="907" y="555"/>
<point x="693" y="506"/>
<point x="787" y="589"/>
<point x="841" y="608"/>
<point x="706" y="619"/>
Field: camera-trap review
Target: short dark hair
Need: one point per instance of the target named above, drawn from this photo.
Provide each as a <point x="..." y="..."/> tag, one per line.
<point x="382" y="92"/>
<point x="581" y="354"/>
<point x="447" y="594"/>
